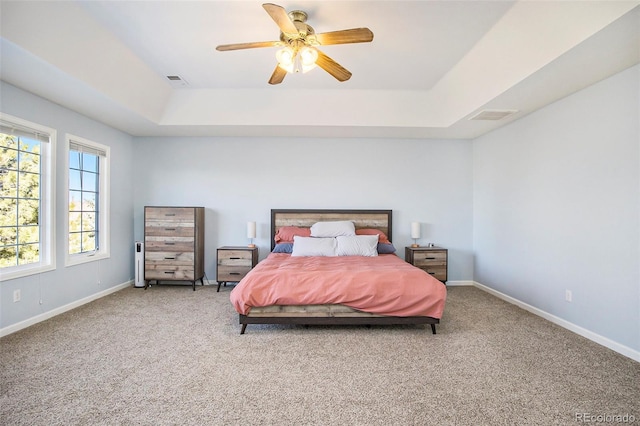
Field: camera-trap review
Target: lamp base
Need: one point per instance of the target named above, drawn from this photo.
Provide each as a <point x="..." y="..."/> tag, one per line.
<point x="251" y="245"/>
<point x="415" y="245"/>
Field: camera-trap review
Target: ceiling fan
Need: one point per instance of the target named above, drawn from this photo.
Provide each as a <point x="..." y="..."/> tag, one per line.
<point x="299" y="44"/>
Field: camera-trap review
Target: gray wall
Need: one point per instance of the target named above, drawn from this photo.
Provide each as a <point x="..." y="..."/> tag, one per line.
<point x="241" y="179"/>
<point x="49" y="291"/>
<point x="556" y="207"/>
<point x="546" y="204"/>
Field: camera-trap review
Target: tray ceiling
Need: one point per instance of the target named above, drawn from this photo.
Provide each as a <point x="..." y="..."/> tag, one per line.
<point x="431" y="66"/>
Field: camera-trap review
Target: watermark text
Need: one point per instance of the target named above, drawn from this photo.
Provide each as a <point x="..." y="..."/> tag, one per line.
<point x="604" y="418"/>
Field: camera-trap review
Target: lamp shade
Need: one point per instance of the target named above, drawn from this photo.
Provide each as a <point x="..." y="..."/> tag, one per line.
<point x="251" y="229"/>
<point x="415" y="230"/>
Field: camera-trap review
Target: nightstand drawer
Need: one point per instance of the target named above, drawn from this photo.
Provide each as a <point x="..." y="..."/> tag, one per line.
<point x="235" y="257"/>
<point x="438" y="272"/>
<point x="232" y="273"/>
<point x="430" y="257"/>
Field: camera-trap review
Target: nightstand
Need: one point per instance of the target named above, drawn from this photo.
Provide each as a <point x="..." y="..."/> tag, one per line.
<point x="432" y="260"/>
<point x="234" y="262"/>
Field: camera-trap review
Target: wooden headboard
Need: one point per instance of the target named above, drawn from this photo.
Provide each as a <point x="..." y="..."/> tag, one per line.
<point x="377" y="219"/>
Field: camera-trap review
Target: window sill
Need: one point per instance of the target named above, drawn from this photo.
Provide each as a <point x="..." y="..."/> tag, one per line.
<point x="85" y="258"/>
<point x="25" y="272"/>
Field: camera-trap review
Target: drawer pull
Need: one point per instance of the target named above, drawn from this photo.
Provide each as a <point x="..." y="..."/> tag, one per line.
<point x="234" y="273"/>
<point x="170" y="244"/>
<point x="431" y="273"/>
<point x="170" y="258"/>
<point x="168" y="272"/>
<point x="234" y="258"/>
<point x="169" y="229"/>
<point x="169" y="214"/>
<point x="430" y="258"/>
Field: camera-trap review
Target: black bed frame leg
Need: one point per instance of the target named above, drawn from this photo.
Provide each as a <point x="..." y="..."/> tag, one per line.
<point x="244" y="327"/>
<point x="433" y="328"/>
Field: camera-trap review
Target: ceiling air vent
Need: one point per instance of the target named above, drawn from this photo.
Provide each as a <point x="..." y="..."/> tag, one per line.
<point x="493" y="114"/>
<point x="177" y="81"/>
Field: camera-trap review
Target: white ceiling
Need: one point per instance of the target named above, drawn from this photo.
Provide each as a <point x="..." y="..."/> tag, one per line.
<point x="431" y="65"/>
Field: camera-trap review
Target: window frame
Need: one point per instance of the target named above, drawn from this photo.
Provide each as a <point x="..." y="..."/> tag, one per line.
<point x="104" y="199"/>
<point x="46" y="217"/>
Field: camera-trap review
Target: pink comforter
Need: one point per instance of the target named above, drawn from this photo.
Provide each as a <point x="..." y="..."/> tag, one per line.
<point x="384" y="285"/>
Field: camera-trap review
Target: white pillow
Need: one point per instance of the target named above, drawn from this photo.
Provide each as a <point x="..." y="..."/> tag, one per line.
<point x="310" y="246"/>
<point x="357" y="245"/>
<point x="333" y="229"/>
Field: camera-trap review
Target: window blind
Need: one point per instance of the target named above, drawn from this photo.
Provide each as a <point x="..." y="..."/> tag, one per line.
<point x="84" y="148"/>
<point x="14" y="129"/>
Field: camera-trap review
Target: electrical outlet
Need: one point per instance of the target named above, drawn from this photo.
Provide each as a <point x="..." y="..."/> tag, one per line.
<point x="567" y="295"/>
<point x="16" y="295"/>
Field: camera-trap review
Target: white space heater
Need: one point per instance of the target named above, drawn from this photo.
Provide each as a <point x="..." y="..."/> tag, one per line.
<point x="139" y="264"/>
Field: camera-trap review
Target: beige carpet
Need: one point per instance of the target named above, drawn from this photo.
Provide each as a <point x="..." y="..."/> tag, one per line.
<point x="172" y="356"/>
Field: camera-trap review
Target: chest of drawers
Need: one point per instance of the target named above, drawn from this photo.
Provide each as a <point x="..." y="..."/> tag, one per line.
<point x="173" y="244"/>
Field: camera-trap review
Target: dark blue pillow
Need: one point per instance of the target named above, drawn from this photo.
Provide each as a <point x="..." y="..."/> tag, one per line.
<point x="283" y="248"/>
<point x="386" y="248"/>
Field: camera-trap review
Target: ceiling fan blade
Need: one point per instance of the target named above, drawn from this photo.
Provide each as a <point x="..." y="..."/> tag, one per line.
<point x="238" y="46"/>
<point x="354" y="35"/>
<point x="281" y="18"/>
<point x="332" y="67"/>
<point x="277" y="76"/>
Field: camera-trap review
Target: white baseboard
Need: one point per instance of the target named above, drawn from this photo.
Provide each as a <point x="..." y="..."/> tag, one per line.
<point x="459" y="283"/>
<point x="594" y="337"/>
<point x="57" y="311"/>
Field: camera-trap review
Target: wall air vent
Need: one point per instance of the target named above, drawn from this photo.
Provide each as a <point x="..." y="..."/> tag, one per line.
<point x="177" y="81"/>
<point x="493" y="114"/>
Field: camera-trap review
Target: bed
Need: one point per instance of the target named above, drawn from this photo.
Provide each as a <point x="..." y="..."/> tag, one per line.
<point x="381" y="289"/>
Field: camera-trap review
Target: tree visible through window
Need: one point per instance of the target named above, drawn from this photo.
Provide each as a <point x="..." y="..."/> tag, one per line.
<point x="84" y="196"/>
<point x="88" y="201"/>
<point x="20" y="197"/>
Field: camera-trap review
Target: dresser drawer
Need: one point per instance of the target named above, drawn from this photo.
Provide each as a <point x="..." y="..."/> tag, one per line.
<point x="168" y="258"/>
<point x="169" y="214"/>
<point x="168" y="272"/>
<point x="167" y="229"/>
<point x="175" y="244"/>
<point x="232" y="273"/>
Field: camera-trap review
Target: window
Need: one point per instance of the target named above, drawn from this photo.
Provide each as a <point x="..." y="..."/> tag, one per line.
<point x="87" y="224"/>
<point x="26" y="198"/>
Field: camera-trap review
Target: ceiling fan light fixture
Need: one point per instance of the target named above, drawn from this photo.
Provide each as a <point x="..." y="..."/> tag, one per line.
<point x="293" y="60"/>
<point x="286" y="59"/>
<point x="285" y="56"/>
<point x="308" y="58"/>
<point x="299" y="40"/>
